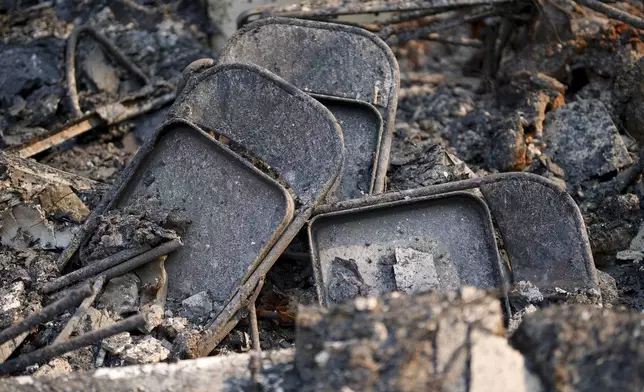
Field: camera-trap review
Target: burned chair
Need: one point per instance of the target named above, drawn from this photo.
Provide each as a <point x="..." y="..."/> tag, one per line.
<point x="241" y="219"/>
<point x="440" y="237"/>
<point x="351" y="71"/>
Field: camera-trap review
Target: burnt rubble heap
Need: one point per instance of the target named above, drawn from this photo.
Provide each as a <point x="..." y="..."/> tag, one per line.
<point x="446" y="197"/>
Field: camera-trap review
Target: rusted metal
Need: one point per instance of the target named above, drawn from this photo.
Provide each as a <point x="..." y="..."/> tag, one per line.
<point x="254" y="109"/>
<point x="106" y="115"/>
<point x="613" y="13"/>
<point x="401" y="35"/>
<point x="191" y="172"/>
<point x="112" y="50"/>
<point x="256" y="356"/>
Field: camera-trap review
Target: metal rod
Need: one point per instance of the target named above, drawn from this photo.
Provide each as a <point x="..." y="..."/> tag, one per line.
<point x="256" y="355"/>
<point x="93" y="269"/>
<point x="63" y="336"/>
<point x="459" y="41"/>
<point x="71" y="300"/>
<point x="613" y="13"/>
<point x="402" y="36"/>
<point x="47" y="353"/>
<point x="70" y="62"/>
<point x="454" y="186"/>
<point x="330" y="8"/>
<point x="142" y="259"/>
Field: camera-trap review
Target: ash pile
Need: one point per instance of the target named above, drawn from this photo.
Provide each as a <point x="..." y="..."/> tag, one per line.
<point x="445" y="197"/>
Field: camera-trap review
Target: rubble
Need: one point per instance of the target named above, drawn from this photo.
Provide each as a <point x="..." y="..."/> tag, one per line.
<point x="424" y="165"/>
<point x="60" y="200"/>
<point x="218" y="373"/>
<point x="197" y="307"/>
<point x="137" y="226"/>
<point x="97" y="162"/>
<point x="612" y="224"/>
<point x="582" y="139"/>
<point x="146" y="350"/>
<point x="121" y="295"/>
<point x="447" y="341"/>
<point x="13" y="304"/>
<point x="24" y="179"/>
<point x="25" y="224"/>
<point x="55" y="367"/>
<point x="583" y="348"/>
<point x="172" y="326"/>
<point x="565" y="105"/>
<point x="635" y="251"/>
<point x="117" y="343"/>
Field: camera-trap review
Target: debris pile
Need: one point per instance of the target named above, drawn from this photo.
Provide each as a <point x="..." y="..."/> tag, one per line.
<point x="443" y="183"/>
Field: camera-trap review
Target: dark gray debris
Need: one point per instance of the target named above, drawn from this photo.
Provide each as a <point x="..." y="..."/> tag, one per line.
<point x="583" y="140"/>
<point x="584" y="348"/>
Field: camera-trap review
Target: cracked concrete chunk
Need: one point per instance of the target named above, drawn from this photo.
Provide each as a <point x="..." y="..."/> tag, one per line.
<point x="172" y="326"/>
<point x="55" y="367"/>
<point x="121" y="295"/>
<point x="582" y="138"/>
<point x="415" y="271"/>
<point x="117" y="343"/>
<point x="93" y="320"/>
<point x="146" y="350"/>
<point x="197" y="307"/>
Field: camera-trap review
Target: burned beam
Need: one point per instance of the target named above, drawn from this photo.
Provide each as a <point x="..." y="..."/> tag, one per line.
<point x="110" y="114"/>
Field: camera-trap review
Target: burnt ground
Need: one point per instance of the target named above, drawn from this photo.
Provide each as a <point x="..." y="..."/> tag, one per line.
<point x="566" y="103"/>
